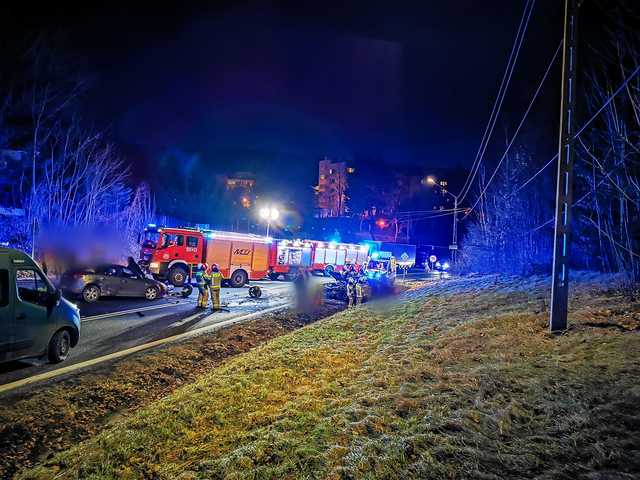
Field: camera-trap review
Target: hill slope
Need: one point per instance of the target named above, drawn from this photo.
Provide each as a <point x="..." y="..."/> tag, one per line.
<point x="459" y="379"/>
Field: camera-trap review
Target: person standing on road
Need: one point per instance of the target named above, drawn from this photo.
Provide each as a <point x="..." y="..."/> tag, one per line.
<point x="215" y="285"/>
<point x="360" y="283"/>
<point x="203" y="294"/>
<point x="351" y="291"/>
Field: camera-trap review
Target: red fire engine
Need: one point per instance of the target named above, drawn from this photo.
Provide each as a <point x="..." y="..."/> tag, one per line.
<point x="333" y="256"/>
<point x="287" y="257"/>
<point x="173" y="254"/>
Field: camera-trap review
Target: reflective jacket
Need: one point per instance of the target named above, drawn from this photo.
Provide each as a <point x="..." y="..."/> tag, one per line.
<point x="216" y="280"/>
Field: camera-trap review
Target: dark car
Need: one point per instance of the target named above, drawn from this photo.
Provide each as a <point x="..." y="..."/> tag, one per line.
<point x="111" y="281"/>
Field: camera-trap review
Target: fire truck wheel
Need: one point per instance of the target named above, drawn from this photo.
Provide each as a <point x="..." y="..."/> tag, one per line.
<point x="91" y="293"/>
<point x="177" y="276"/>
<point x="238" y="279"/>
<point x="151" y="293"/>
<point x="328" y="270"/>
<point x="273" y="276"/>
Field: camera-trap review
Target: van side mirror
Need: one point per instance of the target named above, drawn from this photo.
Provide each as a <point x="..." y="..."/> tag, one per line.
<point x="54" y="297"/>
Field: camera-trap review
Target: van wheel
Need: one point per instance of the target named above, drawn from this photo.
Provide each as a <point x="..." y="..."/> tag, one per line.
<point x="177" y="276"/>
<point x="238" y="279"/>
<point x="59" y="346"/>
<point x="91" y="293"/>
<point x="151" y="293"/>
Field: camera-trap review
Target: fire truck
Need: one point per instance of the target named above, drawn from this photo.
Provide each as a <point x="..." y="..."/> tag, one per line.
<point x="173" y="254"/>
<point x="333" y="256"/>
<point x="287" y="257"/>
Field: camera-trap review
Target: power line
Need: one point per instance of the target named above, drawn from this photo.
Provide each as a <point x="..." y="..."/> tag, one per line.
<point x="524" y="118"/>
<point x="506" y="78"/>
<point x="535" y="175"/>
<point x="577" y="202"/>
<point x="582" y="129"/>
<point x="611" y="97"/>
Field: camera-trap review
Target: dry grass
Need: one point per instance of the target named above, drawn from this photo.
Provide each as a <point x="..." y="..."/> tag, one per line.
<point x="459" y="380"/>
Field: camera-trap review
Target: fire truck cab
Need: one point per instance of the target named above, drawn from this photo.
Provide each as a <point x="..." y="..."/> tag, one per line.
<point x="171" y="253"/>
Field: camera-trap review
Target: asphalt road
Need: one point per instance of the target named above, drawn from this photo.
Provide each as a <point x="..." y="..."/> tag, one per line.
<point x="115" y="324"/>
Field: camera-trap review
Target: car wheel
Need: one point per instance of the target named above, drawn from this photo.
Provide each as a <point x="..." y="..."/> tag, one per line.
<point x="59" y="346"/>
<point x="151" y="293"/>
<point x="177" y="276"/>
<point x="91" y="293"/>
<point x="238" y="279"/>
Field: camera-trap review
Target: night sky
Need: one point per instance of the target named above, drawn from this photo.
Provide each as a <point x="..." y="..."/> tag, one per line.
<point x="265" y="86"/>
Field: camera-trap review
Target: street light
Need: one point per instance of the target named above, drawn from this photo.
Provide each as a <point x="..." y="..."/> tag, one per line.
<point x="269" y="214"/>
<point x="430" y="180"/>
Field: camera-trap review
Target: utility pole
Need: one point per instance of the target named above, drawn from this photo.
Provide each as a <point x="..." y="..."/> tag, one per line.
<point x="454" y="237"/>
<point x="564" y="186"/>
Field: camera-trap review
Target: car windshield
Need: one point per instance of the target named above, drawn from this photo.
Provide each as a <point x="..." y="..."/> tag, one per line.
<point x="150" y="239"/>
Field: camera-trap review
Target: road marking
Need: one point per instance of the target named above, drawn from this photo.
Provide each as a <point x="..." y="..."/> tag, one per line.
<point x="133" y="310"/>
<point x="165" y="305"/>
<point x="122" y="353"/>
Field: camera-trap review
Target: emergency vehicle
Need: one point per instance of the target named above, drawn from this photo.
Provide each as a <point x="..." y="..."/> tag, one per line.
<point x="287" y="257"/>
<point x="333" y="256"/>
<point x="173" y="254"/>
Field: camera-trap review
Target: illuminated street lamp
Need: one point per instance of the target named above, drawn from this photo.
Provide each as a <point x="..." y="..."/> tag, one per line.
<point x="269" y="214"/>
<point x="430" y="180"/>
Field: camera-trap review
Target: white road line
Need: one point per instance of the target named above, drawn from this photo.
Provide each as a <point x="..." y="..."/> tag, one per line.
<point x="122" y="353"/>
<point x="164" y="305"/>
<point x="133" y="310"/>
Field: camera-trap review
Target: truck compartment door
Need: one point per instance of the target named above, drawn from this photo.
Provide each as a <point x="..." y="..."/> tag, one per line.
<point x="219" y="251"/>
<point x="260" y="261"/>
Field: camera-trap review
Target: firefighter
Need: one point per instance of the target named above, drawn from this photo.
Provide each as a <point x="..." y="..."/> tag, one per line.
<point x="215" y="285"/>
<point x="360" y="283"/>
<point x="203" y="294"/>
<point x="351" y="291"/>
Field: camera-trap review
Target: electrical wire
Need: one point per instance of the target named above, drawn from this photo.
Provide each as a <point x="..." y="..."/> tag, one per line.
<point x="582" y="129"/>
<point x="513" y="138"/>
<point x="609" y="100"/>
<point x="532" y="178"/>
<point x="497" y="105"/>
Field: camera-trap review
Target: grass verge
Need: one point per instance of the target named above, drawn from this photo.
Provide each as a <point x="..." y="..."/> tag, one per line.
<point x="459" y="380"/>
